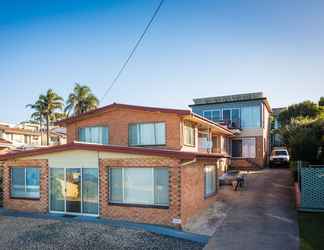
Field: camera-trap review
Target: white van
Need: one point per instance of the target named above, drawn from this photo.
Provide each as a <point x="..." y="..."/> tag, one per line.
<point x="279" y="157"/>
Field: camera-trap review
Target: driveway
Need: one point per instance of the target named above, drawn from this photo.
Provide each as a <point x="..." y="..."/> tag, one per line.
<point x="261" y="217"/>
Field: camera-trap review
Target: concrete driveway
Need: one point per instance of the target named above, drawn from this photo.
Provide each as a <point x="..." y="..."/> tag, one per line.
<point x="261" y="217"/>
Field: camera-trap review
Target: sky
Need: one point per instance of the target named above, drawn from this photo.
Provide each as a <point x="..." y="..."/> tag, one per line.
<point x="193" y="49"/>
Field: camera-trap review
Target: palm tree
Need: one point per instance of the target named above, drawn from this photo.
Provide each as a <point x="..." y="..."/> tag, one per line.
<point x="81" y="100"/>
<point x="48" y="107"/>
<point x="37" y="116"/>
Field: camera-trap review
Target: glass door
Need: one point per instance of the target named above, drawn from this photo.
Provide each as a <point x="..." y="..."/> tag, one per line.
<point x="73" y="190"/>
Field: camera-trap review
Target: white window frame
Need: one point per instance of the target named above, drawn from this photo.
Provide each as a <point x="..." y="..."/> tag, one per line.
<point x="193" y="129"/>
<point x="138" y="139"/>
<point x="206" y="195"/>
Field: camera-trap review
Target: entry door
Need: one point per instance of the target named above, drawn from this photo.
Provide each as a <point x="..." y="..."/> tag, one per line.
<point x="73" y="190"/>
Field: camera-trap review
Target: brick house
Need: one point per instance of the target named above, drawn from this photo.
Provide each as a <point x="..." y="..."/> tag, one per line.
<point x="249" y="115"/>
<point x="143" y="164"/>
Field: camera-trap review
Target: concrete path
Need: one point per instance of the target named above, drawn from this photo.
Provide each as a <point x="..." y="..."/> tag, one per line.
<point x="261" y="217"/>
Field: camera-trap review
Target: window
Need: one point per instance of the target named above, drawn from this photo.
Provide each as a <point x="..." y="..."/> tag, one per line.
<point x="244" y="148"/>
<point x="213" y="115"/>
<point x="210" y="180"/>
<point x="144" y="134"/>
<point x="99" y="135"/>
<point x="143" y="186"/>
<point x="189" y="134"/>
<point x="251" y="117"/>
<point x="25" y="182"/>
<point x="232" y="117"/>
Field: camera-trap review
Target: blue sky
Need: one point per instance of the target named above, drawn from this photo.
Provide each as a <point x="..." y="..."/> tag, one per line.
<point x="193" y="49"/>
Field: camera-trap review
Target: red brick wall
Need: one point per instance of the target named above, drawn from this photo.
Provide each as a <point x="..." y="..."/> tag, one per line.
<point x="118" y="119"/>
<point x="39" y="205"/>
<point x="193" y="189"/>
<point x="142" y="214"/>
<point x="258" y="162"/>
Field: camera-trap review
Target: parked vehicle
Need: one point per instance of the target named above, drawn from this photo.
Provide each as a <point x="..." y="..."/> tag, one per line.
<point x="279" y="157"/>
<point x="228" y="177"/>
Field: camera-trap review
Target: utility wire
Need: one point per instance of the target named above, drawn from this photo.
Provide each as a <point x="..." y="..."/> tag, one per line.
<point x="132" y="51"/>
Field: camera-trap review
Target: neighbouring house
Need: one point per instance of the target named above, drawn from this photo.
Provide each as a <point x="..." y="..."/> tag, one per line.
<point x="28" y="135"/>
<point x="5" y="146"/>
<point x="143" y="164"/>
<point x="276" y="138"/>
<point x="249" y="115"/>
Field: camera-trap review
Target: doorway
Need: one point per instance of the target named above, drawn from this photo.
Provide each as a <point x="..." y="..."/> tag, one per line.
<point x="74" y="191"/>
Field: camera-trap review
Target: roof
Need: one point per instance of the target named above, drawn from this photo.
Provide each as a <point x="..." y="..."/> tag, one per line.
<point x="125" y="106"/>
<point x="110" y="148"/>
<point x="98" y="111"/>
<point x="232" y="98"/>
<point x="5" y="141"/>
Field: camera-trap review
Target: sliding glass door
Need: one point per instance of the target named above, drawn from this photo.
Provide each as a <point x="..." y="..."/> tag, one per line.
<point x="74" y="190"/>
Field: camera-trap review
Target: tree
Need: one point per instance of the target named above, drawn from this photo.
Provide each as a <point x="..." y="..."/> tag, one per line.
<point x="321" y="102"/>
<point x="81" y="100"/>
<point x="304" y="109"/>
<point x="48" y="107"/>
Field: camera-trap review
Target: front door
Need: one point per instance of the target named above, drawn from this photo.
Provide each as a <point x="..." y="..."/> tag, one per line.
<point x="74" y="190"/>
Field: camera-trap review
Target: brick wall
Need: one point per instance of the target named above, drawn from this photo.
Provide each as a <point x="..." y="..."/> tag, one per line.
<point x="258" y="162"/>
<point x="39" y="205"/>
<point x="142" y="214"/>
<point x="193" y="189"/>
<point x="118" y="119"/>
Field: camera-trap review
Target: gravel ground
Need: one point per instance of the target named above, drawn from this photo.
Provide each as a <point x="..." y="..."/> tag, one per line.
<point x="26" y="233"/>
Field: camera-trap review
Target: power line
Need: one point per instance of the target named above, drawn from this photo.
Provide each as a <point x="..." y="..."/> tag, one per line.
<point x="133" y="50"/>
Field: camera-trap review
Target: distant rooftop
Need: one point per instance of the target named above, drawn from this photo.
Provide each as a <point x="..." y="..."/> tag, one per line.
<point x="232" y="98"/>
<point x="277" y="111"/>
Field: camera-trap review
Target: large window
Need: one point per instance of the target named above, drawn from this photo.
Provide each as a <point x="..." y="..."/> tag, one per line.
<point x="210" y="180"/>
<point x="143" y="186"/>
<point x="99" y="135"/>
<point x="251" y="117"/>
<point x="213" y="115"/>
<point x="146" y="134"/>
<point x="189" y="134"/>
<point x="25" y="182"/>
<point x="244" y="148"/>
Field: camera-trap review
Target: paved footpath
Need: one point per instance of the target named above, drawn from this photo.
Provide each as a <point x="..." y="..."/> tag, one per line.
<point x="261" y="218"/>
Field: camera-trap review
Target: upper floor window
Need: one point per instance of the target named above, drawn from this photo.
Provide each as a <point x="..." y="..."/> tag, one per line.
<point x="189" y="134"/>
<point x="98" y="135"/>
<point x="146" y="134"/>
<point x="251" y="117"/>
<point x="232" y="117"/>
<point x="25" y="182"/>
<point x="213" y="115"/>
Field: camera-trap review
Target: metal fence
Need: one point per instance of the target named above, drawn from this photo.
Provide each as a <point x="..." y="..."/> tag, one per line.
<point x="311" y="184"/>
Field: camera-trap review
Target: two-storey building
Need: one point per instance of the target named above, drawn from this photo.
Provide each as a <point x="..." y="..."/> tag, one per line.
<point x="151" y="165"/>
<point x="249" y="115"/>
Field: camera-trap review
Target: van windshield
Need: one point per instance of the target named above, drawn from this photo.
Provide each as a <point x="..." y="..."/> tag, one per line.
<point x="279" y="152"/>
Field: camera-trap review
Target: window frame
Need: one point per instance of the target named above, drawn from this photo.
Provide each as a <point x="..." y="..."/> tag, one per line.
<point x="214" y="110"/>
<point x="190" y="125"/>
<point x="206" y="196"/>
<point x="155" y="139"/>
<point x="95" y="126"/>
<point x="125" y="204"/>
<point x="25" y="182"/>
<point x="242" y="141"/>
